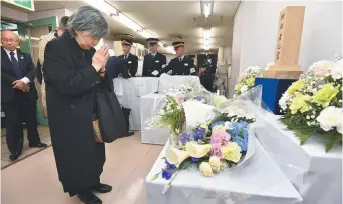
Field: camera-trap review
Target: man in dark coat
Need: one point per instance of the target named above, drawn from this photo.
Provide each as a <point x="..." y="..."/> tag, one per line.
<point x="18" y="95"/>
<point x="73" y="73"/>
<point x="206" y="77"/>
<point x="131" y="61"/>
<point x="182" y="64"/>
<point x="154" y="61"/>
<point x="116" y="67"/>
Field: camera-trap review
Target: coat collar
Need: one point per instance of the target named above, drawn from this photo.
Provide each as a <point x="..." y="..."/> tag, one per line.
<point x="72" y="42"/>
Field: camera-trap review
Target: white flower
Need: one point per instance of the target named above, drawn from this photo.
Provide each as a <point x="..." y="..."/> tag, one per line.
<point x="337" y="69"/>
<point x="308" y="117"/>
<point x="283" y="101"/>
<point x="330" y="117"/>
<point x="244" y="88"/>
<point x="214" y="161"/>
<point x="312" y="116"/>
<point x="205" y="169"/>
<point x="228" y="125"/>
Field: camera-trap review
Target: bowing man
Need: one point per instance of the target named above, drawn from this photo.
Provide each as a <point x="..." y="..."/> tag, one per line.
<point x="154" y="61"/>
<point x="182" y="64"/>
<point x="130" y="60"/>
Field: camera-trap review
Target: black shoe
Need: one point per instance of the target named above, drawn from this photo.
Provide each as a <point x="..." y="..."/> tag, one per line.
<point x="102" y="188"/>
<point x="14" y="156"/>
<point x="39" y="145"/>
<point x="89" y="198"/>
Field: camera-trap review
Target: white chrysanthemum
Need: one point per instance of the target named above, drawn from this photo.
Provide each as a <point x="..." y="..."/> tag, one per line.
<point x="337" y="69"/>
<point x="214" y="161"/>
<point x="244" y="88"/>
<point x="331" y="117"/>
<point x="283" y="101"/>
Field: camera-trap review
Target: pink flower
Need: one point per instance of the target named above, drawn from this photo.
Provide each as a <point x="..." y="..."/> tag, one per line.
<point x="180" y="100"/>
<point x="221" y="137"/>
<point x="320" y="72"/>
<point x="216" y="150"/>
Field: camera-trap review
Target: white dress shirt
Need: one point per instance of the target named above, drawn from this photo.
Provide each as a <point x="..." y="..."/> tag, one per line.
<point x="24" y="79"/>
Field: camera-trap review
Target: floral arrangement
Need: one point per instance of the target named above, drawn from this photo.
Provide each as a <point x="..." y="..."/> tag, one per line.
<point x="212" y="139"/>
<point x="247" y="80"/>
<point x="314" y="103"/>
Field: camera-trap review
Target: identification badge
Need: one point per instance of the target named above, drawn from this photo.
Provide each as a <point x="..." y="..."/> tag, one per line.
<point x="186" y="64"/>
<point x="129" y="62"/>
<point x="22" y="57"/>
<point x="157" y="61"/>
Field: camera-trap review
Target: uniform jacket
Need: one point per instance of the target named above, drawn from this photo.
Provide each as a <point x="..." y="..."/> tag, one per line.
<point x="185" y="67"/>
<point x="151" y="64"/>
<point x="131" y="63"/>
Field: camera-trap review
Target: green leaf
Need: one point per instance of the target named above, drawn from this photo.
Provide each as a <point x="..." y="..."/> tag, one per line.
<point x="331" y="138"/>
<point x="303" y="132"/>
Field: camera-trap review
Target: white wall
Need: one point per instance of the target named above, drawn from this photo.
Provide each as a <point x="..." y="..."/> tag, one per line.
<point x="321" y="37"/>
<point x="236" y="48"/>
<point x="256" y="26"/>
<point x="13" y="14"/>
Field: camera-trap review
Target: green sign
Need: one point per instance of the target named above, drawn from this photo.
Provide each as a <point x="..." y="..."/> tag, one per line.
<point x="24" y="3"/>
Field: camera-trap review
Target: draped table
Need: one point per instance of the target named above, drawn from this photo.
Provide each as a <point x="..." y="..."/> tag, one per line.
<point x="317" y="175"/>
<point x="257" y="181"/>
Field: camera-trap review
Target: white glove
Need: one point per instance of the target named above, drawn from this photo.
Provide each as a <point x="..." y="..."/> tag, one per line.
<point x="169" y="72"/>
<point x="155" y="73"/>
<point x="192" y="70"/>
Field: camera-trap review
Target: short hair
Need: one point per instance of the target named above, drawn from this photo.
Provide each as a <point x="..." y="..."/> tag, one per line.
<point x="88" y="18"/>
<point x="64" y="23"/>
<point x="15" y="35"/>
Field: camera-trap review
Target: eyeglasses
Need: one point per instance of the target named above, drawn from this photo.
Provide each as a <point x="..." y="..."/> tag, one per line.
<point x="11" y="40"/>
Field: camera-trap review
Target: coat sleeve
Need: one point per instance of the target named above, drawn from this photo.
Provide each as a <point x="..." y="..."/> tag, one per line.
<point x="166" y="68"/>
<point x="134" y="67"/>
<point x="31" y="74"/>
<point x="60" y="73"/>
<point x="7" y="78"/>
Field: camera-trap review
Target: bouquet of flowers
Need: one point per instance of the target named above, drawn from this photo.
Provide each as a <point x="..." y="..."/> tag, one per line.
<point x="208" y="135"/>
<point x="247" y="80"/>
<point x="314" y="103"/>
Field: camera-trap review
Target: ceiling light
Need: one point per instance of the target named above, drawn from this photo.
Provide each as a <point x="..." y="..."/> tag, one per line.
<point x="207" y="43"/>
<point x="206" y="7"/>
<point x="128" y="22"/>
<point x="206" y="33"/>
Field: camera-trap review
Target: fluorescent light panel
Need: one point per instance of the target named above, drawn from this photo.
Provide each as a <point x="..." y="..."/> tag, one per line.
<point x="206" y="33"/>
<point x="206" y="7"/>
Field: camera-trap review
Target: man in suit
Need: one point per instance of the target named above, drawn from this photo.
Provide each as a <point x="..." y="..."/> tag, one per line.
<point x="131" y="60"/>
<point x="182" y="64"/>
<point x="154" y="61"/>
<point x="18" y="95"/>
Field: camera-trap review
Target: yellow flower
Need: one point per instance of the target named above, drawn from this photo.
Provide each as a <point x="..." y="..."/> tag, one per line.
<point x="238" y="87"/>
<point x="251" y="81"/>
<point x="205" y="126"/>
<point x="232" y="152"/>
<point x="175" y="156"/>
<point x="325" y="94"/>
<point x="296" y="86"/>
<point x="196" y="150"/>
<point x="219" y="100"/>
<point x="299" y="102"/>
<point x="205" y="169"/>
<point x="214" y="161"/>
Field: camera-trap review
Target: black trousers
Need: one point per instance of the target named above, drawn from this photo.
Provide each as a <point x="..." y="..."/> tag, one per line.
<point x="20" y="109"/>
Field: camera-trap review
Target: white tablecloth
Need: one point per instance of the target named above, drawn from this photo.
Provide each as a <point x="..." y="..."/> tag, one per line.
<point x="151" y="104"/>
<point x="258" y="181"/>
<point x="129" y="92"/>
<point x="167" y="82"/>
<point x="317" y="175"/>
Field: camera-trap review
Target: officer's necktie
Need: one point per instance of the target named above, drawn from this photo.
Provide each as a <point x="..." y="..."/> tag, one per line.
<point x="125" y="56"/>
<point x="15" y="66"/>
<point x="180" y="59"/>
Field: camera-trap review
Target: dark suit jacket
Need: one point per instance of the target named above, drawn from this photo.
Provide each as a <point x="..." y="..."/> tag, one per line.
<point x="115" y="66"/>
<point x="8" y="76"/>
<point x="185" y="67"/>
<point x="131" y="63"/>
<point x="151" y="64"/>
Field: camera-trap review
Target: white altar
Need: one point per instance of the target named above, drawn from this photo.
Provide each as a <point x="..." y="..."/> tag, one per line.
<point x="317" y="175"/>
<point x="257" y="181"/>
<point x="129" y="92"/>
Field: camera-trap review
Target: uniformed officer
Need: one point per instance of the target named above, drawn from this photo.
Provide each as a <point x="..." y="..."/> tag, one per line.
<point x="182" y="64"/>
<point x="131" y="60"/>
<point x="206" y="77"/>
<point x="154" y="61"/>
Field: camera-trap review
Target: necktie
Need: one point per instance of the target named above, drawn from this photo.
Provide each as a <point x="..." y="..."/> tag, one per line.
<point x="125" y="56"/>
<point x="15" y="66"/>
<point x="180" y="59"/>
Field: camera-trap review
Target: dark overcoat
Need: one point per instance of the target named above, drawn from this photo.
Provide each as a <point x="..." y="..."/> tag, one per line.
<point x="185" y="67"/>
<point x="71" y="83"/>
<point x="153" y="63"/>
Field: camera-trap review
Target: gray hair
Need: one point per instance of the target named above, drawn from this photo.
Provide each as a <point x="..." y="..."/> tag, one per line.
<point x="88" y="18"/>
<point x="13" y="33"/>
